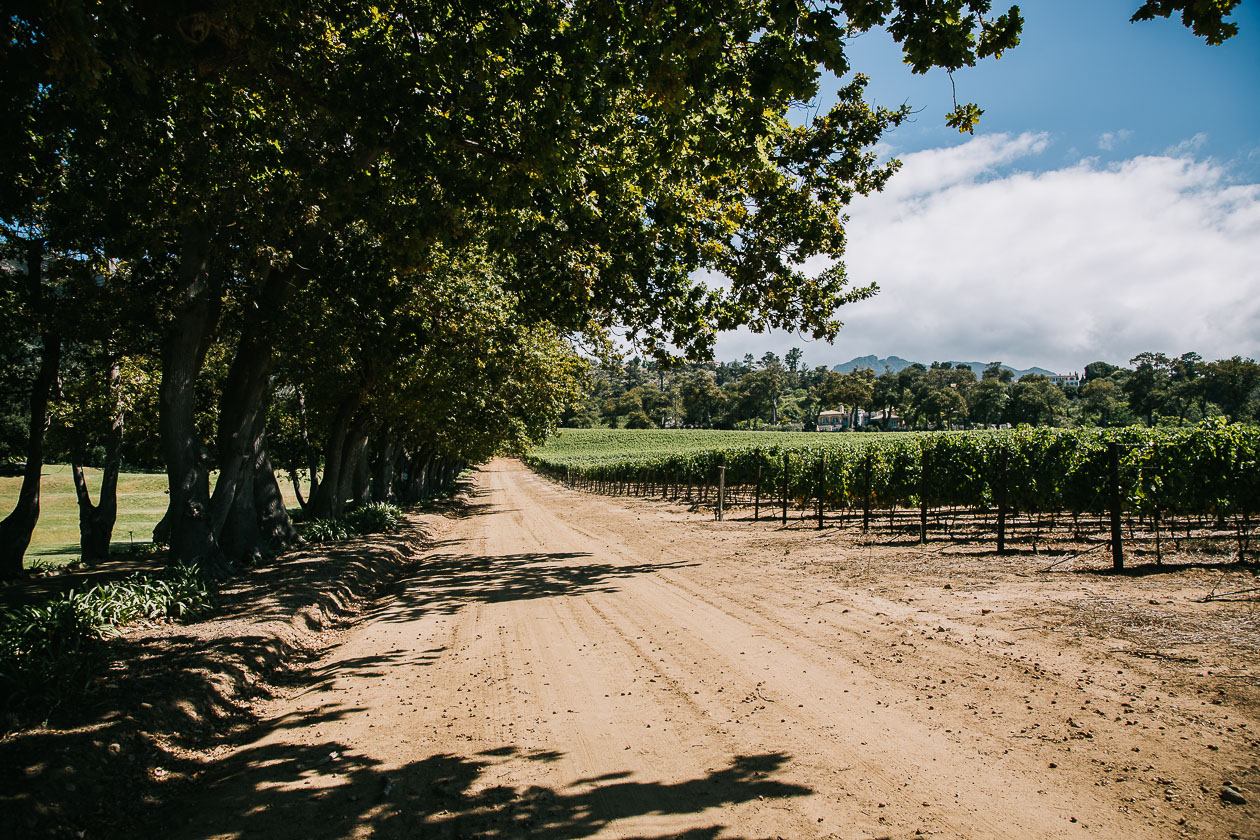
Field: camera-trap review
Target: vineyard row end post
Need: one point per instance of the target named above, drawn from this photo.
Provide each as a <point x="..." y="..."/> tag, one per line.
<point x="757" y="497"/>
<point x="721" y="491"/>
<point x="785" y="487"/>
<point x="1117" y="503"/>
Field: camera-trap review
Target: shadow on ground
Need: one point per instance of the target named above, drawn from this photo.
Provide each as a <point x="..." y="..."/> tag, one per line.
<point x="327" y="790"/>
<point x="101" y="764"/>
<point x="449" y="581"/>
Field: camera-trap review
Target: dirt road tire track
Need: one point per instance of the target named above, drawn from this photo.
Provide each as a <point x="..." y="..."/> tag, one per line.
<point x="572" y="666"/>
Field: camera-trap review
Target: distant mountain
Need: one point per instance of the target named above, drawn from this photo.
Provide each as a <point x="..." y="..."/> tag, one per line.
<point x="896" y="364"/>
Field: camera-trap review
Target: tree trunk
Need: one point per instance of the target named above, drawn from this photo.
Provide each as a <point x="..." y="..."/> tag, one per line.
<point x="96" y="522"/>
<point x="312" y="457"/>
<point x="361" y="484"/>
<point x="239" y="536"/>
<point x="188" y="525"/>
<point x="246" y="397"/>
<point x="353" y="465"/>
<point x="17" y="527"/>
<point x="383" y="468"/>
<point x="257" y="523"/>
<point x="297" y="488"/>
<point x="417" y="475"/>
<point x="273" y="516"/>
<point x="324" y="502"/>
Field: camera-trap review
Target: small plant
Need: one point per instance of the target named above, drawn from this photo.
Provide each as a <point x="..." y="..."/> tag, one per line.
<point x="40" y="566"/>
<point x="374" y="518"/>
<point x="181" y="593"/>
<point x="51" y="650"/>
<point x="46" y="652"/>
<point x="327" y="530"/>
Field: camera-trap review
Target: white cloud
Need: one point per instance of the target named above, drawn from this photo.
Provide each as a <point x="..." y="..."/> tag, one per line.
<point x="1054" y="268"/>
<point x="1187" y="146"/>
<point x="935" y="169"/>
<point x="1108" y="140"/>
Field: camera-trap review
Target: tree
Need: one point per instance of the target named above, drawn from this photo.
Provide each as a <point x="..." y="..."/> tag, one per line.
<point x="1100" y="398"/>
<point x="1232" y="384"/>
<point x="772" y="379"/>
<point x="1036" y="401"/>
<point x="16" y="528"/>
<point x="793" y="360"/>
<point x="853" y="390"/>
<point x="1099" y="370"/>
<point x="1147" y="387"/>
<point x="701" y="397"/>
<point x="995" y="371"/>
<point x="986" y="403"/>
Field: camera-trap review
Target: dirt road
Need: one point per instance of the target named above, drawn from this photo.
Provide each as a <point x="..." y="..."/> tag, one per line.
<point x="567" y="666"/>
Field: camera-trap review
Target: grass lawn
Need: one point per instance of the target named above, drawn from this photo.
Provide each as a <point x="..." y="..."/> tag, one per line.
<point x="141" y="503"/>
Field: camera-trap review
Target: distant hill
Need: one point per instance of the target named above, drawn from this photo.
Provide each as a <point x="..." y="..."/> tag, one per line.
<point x="897" y="364"/>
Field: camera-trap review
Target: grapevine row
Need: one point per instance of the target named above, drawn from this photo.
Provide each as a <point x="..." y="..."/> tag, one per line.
<point x="1211" y="471"/>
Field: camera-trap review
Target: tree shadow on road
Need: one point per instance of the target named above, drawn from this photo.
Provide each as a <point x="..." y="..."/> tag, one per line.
<point x="327" y="790"/>
<point x="448" y="582"/>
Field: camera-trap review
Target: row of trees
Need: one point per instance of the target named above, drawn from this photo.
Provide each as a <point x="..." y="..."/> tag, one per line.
<point x="773" y="391"/>
<point x="373" y="233"/>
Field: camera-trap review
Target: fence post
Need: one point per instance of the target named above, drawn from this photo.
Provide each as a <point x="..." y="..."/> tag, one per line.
<point x="822" y="477"/>
<point x="923" y="468"/>
<point x="1117" y="502"/>
<point x="866" y="495"/>
<point x="757" y="497"/>
<point x="1001" y="500"/>
<point x="721" y="490"/>
<point x="785" y="486"/>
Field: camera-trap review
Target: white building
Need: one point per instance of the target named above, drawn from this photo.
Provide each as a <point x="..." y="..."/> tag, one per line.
<point x="1065" y="379"/>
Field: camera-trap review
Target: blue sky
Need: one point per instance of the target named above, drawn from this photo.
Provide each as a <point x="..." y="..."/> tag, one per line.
<point x="1109" y="202"/>
<point x="1081" y="71"/>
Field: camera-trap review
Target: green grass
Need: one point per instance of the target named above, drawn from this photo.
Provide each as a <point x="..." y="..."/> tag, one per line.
<point x="141" y="503"/>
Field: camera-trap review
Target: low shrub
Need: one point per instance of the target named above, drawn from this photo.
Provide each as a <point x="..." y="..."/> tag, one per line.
<point x="326" y="530"/>
<point x="375" y="517"/>
<point x="180" y="593"/>
<point x="46" y="652"/>
<point x="50" y="651"/>
<point x="372" y="518"/>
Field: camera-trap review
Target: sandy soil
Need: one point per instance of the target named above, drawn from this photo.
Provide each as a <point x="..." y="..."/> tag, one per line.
<point x="566" y="665"/>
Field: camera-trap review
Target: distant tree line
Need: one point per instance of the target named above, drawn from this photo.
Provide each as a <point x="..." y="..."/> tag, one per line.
<point x="774" y="392"/>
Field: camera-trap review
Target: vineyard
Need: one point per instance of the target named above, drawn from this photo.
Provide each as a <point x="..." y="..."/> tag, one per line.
<point x="1105" y="486"/>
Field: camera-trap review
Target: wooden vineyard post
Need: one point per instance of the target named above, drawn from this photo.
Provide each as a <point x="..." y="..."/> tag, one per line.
<point x="866" y="494"/>
<point x="721" y="491"/>
<point x="822" y="478"/>
<point x="757" y="496"/>
<point x="1117" y="502"/>
<point x="785" y="486"/>
<point x="1001" y="500"/>
<point x="568" y="477"/>
<point x="923" y="495"/>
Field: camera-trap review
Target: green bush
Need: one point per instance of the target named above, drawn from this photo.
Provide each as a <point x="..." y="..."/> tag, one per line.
<point x="374" y="518"/>
<point x="181" y="593"/>
<point x="327" y="530"/>
<point x="50" y="651"/>
<point x="47" y="651"/>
